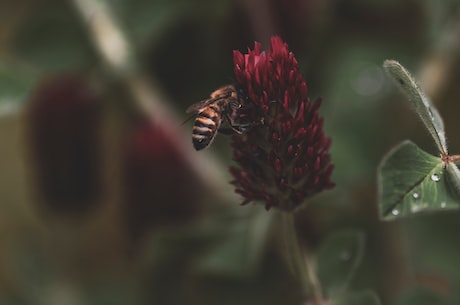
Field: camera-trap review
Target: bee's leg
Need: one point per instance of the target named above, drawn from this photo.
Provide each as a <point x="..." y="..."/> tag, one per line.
<point x="240" y="128"/>
<point x="237" y="129"/>
<point x="231" y="129"/>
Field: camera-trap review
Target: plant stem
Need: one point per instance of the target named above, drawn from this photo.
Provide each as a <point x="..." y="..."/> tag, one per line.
<point x="455" y="159"/>
<point x="117" y="52"/>
<point x="300" y="264"/>
<point x="450" y="158"/>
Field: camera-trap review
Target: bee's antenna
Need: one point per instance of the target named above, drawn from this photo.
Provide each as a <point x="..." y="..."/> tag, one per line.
<point x="187" y="119"/>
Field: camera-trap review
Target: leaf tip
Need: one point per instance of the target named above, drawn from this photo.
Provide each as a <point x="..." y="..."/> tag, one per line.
<point x="390" y="63"/>
<point x="398" y="73"/>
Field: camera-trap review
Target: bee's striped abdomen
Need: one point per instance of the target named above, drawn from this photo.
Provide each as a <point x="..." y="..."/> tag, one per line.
<point x="205" y="128"/>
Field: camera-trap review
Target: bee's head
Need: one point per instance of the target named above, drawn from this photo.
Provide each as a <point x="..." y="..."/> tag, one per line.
<point x="242" y="96"/>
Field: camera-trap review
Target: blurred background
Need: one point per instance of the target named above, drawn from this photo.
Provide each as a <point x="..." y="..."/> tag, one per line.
<point x="104" y="201"/>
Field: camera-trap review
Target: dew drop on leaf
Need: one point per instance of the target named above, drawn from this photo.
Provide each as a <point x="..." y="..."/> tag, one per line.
<point x="416" y="196"/>
<point x="435" y="177"/>
<point x="443" y="204"/>
<point x="395" y="212"/>
<point x="416" y="208"/>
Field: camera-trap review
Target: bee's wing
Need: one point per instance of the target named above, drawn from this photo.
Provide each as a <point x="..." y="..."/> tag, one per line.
<point x="200" y="105"/>
<point x="187" y="119"/>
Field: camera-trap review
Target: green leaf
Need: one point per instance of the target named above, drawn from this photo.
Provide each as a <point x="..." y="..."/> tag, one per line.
<point x="358" y="298"/>
<point x="423" y="106"/>
<point x="412" y="181"/>
<point x="453" y="179"/>
<point x="338" y="259"/>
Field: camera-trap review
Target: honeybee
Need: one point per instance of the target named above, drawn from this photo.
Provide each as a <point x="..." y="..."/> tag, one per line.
<point x="223" y="104"/>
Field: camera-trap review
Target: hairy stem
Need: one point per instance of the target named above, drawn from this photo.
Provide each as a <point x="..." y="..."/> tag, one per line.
<point x="301" y="264"/>
<point x="455" y="159"/>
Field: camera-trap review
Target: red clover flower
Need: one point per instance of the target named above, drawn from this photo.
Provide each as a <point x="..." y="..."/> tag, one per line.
<point x="64" y="120"/>
<point x="284" y="157"/>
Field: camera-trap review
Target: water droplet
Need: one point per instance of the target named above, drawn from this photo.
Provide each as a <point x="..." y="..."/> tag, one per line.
<point x="345" y="255"/>
<point x="395" y="212"/>
<point x="416" y="196"/>
<point x="435" y="177"/>
<point x="417" y="208"/>
<point x="443" y="205"/>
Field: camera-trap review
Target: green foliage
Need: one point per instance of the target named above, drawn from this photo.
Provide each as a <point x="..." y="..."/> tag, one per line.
<point x="338" y="259"/>
<point x="224" y="260"/>
<point x="422" y="105"/>
<point x="411" y="180"/>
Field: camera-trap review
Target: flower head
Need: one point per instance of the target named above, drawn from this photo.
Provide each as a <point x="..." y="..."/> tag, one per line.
<point x="283" y="158"/>
<point x="154" y="169"/>
<point x="64" y="118"/>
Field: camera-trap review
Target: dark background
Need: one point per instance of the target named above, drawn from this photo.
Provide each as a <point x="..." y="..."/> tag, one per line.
<point x="103" y="201"/>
